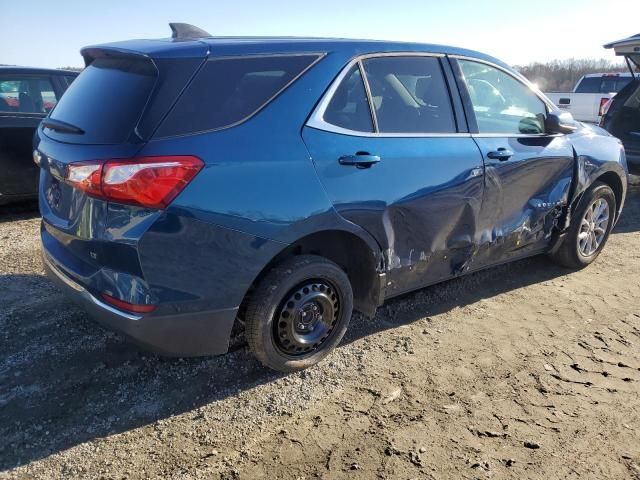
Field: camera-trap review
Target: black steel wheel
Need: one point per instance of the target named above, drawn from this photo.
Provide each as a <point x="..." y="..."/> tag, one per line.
<point x="298" y="313"/>
<point x="307" y="317"/>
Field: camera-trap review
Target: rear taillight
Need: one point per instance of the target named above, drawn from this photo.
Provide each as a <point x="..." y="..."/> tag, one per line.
<point x="151" y="182"/>
<point x="604" y="106"/>
<point x="85" y="176"/>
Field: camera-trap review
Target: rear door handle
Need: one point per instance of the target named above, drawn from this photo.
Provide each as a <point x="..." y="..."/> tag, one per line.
<point x="359" y="160"/>
<point x="501" y="154"/>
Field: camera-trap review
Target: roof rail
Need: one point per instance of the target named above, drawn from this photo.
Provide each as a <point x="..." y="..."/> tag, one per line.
<point x="185" y="31"/>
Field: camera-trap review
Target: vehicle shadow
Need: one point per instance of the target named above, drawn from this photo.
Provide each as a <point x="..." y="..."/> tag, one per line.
<point x="65" y="380"/>
<point x="19" y="211"/>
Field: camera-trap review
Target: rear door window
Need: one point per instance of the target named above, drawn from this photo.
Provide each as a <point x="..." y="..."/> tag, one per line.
<point x="27" y="94"/>
<point x="106" y="100"/>
<point x="410" y="95"/>
<point x="228" y="91"/>
<point x="349" y="107"/>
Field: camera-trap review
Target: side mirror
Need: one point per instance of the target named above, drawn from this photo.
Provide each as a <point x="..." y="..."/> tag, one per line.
<point x="560" y="122"/>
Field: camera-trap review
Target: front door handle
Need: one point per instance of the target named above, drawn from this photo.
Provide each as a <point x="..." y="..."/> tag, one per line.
<point x="501" y="154"/>
<point x="359" y="160"/>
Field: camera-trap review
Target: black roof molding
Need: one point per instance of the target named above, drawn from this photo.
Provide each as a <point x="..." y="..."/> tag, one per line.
<point x="185" y="31"/>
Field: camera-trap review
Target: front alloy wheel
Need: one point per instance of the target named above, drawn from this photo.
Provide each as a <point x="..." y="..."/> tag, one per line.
<point x="591" y="223"/>
<point x="593" y="227"/>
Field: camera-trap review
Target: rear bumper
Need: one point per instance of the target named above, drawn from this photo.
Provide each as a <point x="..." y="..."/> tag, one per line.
<point x="190" y="334"/>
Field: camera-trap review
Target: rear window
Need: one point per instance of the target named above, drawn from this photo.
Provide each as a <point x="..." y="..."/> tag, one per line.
<point x="106" y="100"/>
<point x="610" y="84"/>
<point x="228" y="91"/>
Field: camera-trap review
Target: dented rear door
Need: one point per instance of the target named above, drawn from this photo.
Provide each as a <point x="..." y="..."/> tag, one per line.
<point x="417" y="194"/>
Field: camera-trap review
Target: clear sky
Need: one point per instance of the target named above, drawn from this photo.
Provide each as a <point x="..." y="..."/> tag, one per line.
<point x="50" y="34"/>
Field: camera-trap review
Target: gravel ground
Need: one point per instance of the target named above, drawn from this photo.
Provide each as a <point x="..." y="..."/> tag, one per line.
<point x="521" y="371"/>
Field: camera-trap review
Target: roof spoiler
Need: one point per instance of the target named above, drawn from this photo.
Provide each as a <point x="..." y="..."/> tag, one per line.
<point x="185" y="31"/>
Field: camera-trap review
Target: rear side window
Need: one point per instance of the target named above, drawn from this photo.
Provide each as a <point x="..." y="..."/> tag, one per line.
<point x="608" y="84"/>
<point x="106" y="100"/>
<point x="27" y="94"/>
<point x="410" y="95"/>
<point x="349" y="107"/>
<point x="228" y="91"/>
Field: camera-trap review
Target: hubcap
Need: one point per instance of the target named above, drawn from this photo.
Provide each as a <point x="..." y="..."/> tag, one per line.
<point x="306" y="318"/>
<point x="593" y="227"/>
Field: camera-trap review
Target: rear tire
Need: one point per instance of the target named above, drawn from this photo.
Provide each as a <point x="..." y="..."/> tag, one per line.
<point x="590" y="227"/>
<point x="298" y="313"/>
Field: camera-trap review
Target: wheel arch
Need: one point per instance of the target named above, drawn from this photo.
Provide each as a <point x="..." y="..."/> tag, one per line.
<point x="357" y="255"/>
<point x="613" y="180"/>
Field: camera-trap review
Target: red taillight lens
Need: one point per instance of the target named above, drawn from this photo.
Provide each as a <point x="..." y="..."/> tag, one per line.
<point x="151" y="182"/>
<point x="126" y="306"/>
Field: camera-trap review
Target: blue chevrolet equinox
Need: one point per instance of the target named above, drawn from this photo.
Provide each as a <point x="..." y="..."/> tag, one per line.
<point x="194" y="182"/>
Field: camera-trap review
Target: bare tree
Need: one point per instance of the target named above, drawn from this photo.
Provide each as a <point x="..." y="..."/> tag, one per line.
<point x="562" y="75"/>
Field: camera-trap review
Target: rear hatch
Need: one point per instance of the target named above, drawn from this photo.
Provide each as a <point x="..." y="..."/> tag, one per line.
<point x="628" y="48"/>
<point x="623" y="115"/>
<point x="107" y="115"/>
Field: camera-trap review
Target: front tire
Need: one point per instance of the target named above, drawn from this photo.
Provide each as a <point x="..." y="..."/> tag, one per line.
<point x="590" y="227"/>
<point x="298" y="313"/>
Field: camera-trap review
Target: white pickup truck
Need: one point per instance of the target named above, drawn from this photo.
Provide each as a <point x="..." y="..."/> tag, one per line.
<point x="590" y="95"/>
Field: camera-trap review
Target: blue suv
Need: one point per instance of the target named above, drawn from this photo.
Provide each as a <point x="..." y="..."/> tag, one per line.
<point x="193" y="182"/>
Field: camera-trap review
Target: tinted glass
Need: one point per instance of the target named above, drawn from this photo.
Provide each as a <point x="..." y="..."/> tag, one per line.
<point x="501" y="103"/>
<point x="69" y="79"/>
<point x="227" y="91"/>
<point x="106" y="100"/>
<point x="621" y="83"/>
<point x="611" y="84"/>
<point x="589" y="85"/>
<point x="349" y="107"/>
<point x="27" y="94"/>
<point x="410" y="95"/>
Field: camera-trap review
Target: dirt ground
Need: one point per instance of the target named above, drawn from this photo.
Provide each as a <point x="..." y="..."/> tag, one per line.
<point x="522" y="371"/>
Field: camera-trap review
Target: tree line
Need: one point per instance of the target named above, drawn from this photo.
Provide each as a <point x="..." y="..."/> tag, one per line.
<point x="562" y="75"/>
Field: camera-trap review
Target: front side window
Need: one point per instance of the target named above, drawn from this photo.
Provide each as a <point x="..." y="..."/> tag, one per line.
<point x="502" y="104"/>
<point x="409" y="95"/>
<point x="228" y="91"/>
<point x="29" y="94"/>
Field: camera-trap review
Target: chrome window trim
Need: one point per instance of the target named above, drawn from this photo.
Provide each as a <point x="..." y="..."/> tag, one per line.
<point x="316" y="120"/>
